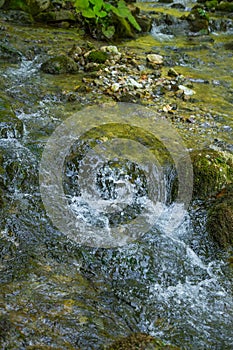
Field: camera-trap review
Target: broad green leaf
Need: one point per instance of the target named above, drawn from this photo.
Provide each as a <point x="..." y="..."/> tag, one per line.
<point x="123" y="10"/>
<point x="97" y="2"/>
<point x="89" y="13"/>
<point x="97" y="8"/>
<point x="101" y="14"/>
<point x="81" y="4"/>
<point x="107" y="7"/>
<point x="134" y="23"/>
<point x="119" y="12"/>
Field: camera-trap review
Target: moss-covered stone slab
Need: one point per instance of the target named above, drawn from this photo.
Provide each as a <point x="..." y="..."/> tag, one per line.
<point x="31" y="6"/>
<point x="220" y="218"/>
<point x="56" y="16"/>
<point x="139" y="341"/>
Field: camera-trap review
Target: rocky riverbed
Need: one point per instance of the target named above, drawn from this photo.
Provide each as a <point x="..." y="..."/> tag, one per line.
<point x="166" y="288"/>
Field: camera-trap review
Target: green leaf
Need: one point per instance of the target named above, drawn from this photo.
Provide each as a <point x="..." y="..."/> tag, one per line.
<point x="108" y="7"/>
<point x="101" y="14"/>
<point x="81" y="5"/>
<point x="119" y="12"/>
<point x="108" y="32"/>
<point x="98" y="5"/>
<point x="88" y="13"/>
<point x="122" y="9"/>
<point x="134" y="23"/>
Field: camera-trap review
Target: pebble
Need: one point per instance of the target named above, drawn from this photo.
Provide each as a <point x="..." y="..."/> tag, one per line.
<point x="110" y="49"/>
<point x="115" y="87"/>
<point x="186" y="90"/>
<point x="133" y="83"/>
<point x="155" y="59"/>
<point x="172" y="73"/>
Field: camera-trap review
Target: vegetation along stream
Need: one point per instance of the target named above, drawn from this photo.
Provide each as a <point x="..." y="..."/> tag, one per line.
<point x="155" y="103"/>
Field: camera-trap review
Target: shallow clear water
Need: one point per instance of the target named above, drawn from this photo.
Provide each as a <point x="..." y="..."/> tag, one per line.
<point x="171" y="283"/>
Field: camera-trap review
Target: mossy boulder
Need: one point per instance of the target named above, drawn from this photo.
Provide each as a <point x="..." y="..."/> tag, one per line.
<point x="212" y="4"/>
<point x="53" y="16"/>
<point x="219" y="5"/>
<point x="198" y="19"/>
<point x="139" y="341"/>
<point x="145" y="22"/>
<point x="123" y="29"/>
<point x="220" y="218"/>
<point x="10" y="125"/>
<point x="212" y="170"/>
<point x="225" y="6"/>
<point x="60" y="64"/>
<point x="97" y="56"/>
<point x="31" y="6"/>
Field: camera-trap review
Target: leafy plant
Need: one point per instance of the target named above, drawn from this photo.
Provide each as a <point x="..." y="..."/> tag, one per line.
<point x="103" y="13"/>
<point x="203" y="13"/>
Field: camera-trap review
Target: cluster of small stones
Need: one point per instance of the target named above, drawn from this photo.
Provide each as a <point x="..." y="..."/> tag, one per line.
<point x="126" y="78"/>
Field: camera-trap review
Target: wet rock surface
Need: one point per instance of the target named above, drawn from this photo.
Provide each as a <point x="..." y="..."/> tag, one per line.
<point x="57" y="294"/>
<point x="59" y="65"/>
<point x="220" y="218"/>
<point x="139" y="342"/>
<point x="10" y="125"/>
<point x="9" y="54"/>
<point x="212" y="171"/>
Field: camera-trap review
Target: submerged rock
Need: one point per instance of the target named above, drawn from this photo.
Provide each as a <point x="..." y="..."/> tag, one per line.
<point x="9" y="53"/>
<point x="139" y="341"/>
<point x="59" y="65"/>
<point x="220" y="218"/>
<point x="18" y="167"/>
<point x="10" y="125"/>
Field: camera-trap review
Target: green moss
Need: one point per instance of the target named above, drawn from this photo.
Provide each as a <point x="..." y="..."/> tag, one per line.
<point x="59" y="65"/>
<point x="220" y="218"/>
<point x="97" y="56"/>
<point x="126" y="131"/>
<point x="140" y="341"/>
<point x="56" y="16"/>
<point x="211" y="4"/>
<point x="18" y="5"/>
<point x="9" y="53"/>
<point x="225" y="6"/>
<point x="10" y="125"/>
<point x="212" y="170"/>
<point x="5" y="326"/>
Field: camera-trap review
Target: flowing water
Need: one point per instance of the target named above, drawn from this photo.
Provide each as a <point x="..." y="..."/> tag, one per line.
<point x="172" y="282"/>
